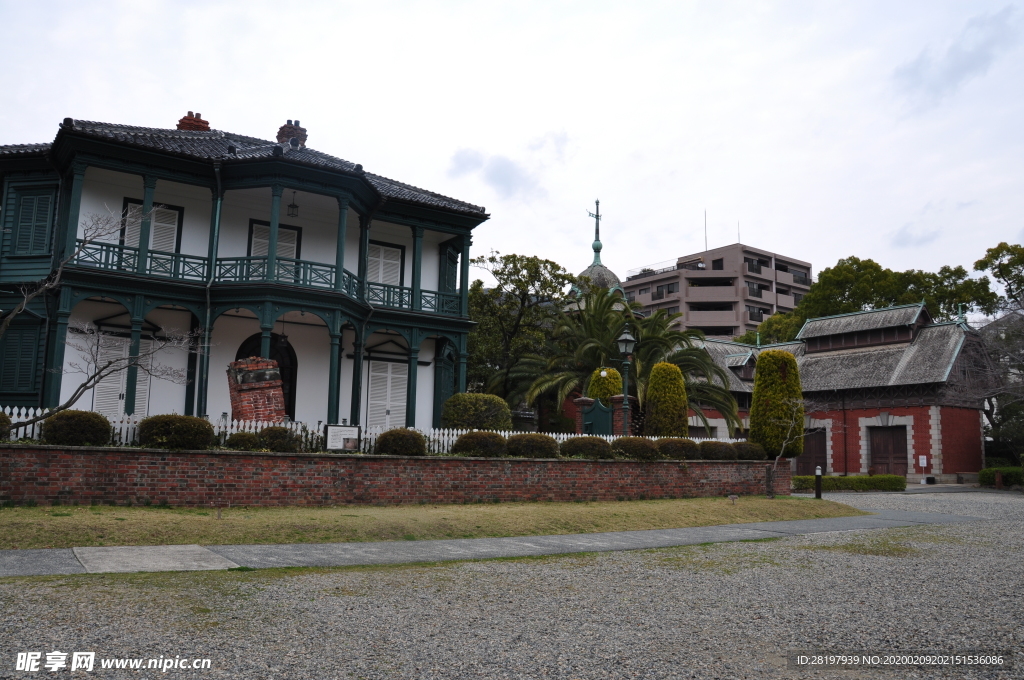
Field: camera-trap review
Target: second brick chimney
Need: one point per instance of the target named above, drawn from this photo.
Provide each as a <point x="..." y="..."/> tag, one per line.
<point x="291" y="130"/>
<point x="194" y="121"/>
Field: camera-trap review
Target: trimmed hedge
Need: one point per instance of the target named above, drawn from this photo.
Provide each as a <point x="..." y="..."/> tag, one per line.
<point x="243" y="441"/>
<point x="750" y="451"/>
<point x="76" y="428"/>
<point x="401" y="442"/>
<point x="856" y="483"/>
<point x="677" y="448"/>
<point x="1012" y="476"/>
<point x="472" y="411"/>
<point x="998" y="462"/>
<point x="587" y="447"/>
<point x="776" y="406"/>
<point x="5" y="426"/>
<point x="175" y="432"/>
<point x="532" y="445"/>
<point x="278" y="439"/>
<point x="636" y="448"/>
<point x="715" y="450"/>
<point x="666" y="406"/>
<point x="480" y="444"/>
<point x="604" y="388"/>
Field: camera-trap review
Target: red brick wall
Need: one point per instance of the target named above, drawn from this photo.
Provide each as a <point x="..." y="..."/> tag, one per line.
<point x="961" y="440"/>
<point x="48" y="475"/>
<point x="848" y="435"/>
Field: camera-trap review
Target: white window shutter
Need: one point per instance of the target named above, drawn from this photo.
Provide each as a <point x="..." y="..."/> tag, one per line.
<point x="107" y="393"/>
<point x="132" y="225"/>
<point x="164" y="230"/>
<point x="391" y="266"/>
<point x="287" y="243"/>
<point x="373" y="263"/>
<point x="259" y="246"/>
<point x="143" y="379"/>
<point x="396" y="394"/>
<point x="377" y="395"/>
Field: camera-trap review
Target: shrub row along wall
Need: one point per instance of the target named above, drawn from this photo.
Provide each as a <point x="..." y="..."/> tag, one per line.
<point x="55" y="475"/>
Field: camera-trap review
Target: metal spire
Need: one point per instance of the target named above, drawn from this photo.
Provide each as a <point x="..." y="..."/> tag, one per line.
<point x="597" y="231"/>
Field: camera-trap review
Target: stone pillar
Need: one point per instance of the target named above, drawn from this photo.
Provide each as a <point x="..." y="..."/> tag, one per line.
<point x="582" y="404"/>
<point x="617" y="413"/>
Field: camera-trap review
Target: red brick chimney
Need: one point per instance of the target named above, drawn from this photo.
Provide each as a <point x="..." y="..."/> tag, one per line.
<point x="291" y="130"/>
<point x="194" y="122"/>
<point x="256" y="390"/>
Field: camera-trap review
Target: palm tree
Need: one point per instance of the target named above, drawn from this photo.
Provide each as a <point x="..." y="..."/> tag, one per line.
<point x="583" y="339"/>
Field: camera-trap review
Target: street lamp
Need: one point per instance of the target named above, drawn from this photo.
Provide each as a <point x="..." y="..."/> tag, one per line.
<point x="626" y="344"/>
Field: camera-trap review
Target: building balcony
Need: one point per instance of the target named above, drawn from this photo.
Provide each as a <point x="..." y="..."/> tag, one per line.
<point x="711" y="293"/>
<point x="255" y="270"/>
<point x="711" y="318"/>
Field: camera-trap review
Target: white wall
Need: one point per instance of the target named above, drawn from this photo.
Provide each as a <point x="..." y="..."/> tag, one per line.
<point x="104" y="191"/>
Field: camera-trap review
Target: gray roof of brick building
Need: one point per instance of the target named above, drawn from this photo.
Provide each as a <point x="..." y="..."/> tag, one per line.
<point x="904" y="315"/>
<point x="213" y="145"/>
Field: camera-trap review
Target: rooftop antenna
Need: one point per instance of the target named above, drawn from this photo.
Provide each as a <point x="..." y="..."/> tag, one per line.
<point x="738" y="232"/>
<point x="597" y="231"/>
<point x="705" y="231"/>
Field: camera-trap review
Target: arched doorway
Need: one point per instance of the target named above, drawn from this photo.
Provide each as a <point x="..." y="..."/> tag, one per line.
<point x="282" y="352"/>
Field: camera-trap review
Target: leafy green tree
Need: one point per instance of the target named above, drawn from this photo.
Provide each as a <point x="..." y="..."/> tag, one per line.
<point x="855" y="285"/>
<point x="667" y="410"/>
<point x="604" y="387"/>
<point x="776" y="408"/>
<point x="1006" y="262"/>
<point x="512" y="318"/>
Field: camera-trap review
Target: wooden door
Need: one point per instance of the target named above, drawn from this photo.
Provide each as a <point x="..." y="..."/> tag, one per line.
<point x="888" y="447"/>
<point x="814" y="455"/>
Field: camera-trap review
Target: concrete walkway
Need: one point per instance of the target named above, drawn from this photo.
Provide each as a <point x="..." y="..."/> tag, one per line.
<point x="195" y="557"/>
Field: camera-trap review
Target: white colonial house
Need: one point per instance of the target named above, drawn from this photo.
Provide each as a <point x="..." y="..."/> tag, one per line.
<point x="356" y="284"/>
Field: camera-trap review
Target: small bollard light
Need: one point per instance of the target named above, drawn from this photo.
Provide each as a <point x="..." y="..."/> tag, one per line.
<point x="817" y="482"/>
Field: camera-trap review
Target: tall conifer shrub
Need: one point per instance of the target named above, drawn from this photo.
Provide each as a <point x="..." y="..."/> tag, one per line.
<point x="776" y="409"/>
<point x="604" y="388"/>
<point x="667" y="407"/>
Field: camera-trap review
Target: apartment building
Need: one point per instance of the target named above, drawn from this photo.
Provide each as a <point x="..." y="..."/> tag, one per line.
<point x="723" y="292"/>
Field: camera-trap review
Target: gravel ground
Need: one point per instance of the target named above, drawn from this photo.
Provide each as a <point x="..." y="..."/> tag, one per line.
<point x="716" y="611"/>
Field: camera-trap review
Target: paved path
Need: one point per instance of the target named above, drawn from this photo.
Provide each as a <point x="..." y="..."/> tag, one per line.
<point x="195" y="557"/>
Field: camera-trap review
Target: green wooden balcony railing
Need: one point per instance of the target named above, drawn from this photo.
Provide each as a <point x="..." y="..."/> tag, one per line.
<point x="116" y="257"/>
<point x="112" y="256"/>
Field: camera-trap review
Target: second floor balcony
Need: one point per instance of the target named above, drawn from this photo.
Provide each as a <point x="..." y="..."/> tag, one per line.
<point x="114" y="257"/>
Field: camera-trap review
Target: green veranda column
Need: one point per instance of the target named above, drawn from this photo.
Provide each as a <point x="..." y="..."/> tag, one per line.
<point x="417" y="267"/>
<point x="339" y="253"/>
<point x="275" y="220"/>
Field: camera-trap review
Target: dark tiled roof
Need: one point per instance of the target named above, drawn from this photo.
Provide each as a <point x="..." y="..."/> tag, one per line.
<point x="23" y="149"/>
<point x="213" y="145"/>
<point x="889" y="317"/>
<point x="928" y="359"/>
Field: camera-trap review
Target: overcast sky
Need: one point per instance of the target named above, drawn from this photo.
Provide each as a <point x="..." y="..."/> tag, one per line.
<point x="886" y="130"/>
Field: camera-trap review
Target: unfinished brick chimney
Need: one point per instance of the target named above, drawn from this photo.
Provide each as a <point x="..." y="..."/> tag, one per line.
<point x="256" y="392"/>
<point x="194" y="122"/>
<point x="290" y="131"/>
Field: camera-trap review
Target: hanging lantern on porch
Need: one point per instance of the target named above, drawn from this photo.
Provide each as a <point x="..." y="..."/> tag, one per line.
<point x="293" y="208"/>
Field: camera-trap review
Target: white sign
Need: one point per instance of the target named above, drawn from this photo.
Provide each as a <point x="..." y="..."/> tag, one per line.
<point x="342" y="437"/>
<point x="923" y="461"/>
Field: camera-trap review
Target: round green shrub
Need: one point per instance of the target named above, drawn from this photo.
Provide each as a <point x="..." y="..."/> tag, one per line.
<point x="667" y="410"/>
<point x="716" y="450"/>
<point x="532" y="445"/>
<point x="1012" y="476"/>
<point x="473" y="411"/>
<point x="278" y="439"/>
<point x="749" y="451"/>
<point x="603" y="388"/>
<point x="480" y="444"/>
<point x="587" y="447"/>
<point x="776" y="406"/>
<point x="76" y="428"/>
<point x="636" y="448"/>
<point x="243" y="441"/>
<point x="5" y="426"/>
<point x="175" y="432"/>
<point x="674" y="448"/>
<point x="401" y="442"/>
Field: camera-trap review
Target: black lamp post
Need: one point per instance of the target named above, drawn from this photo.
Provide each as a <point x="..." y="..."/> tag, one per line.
<point x="626" y="344"/>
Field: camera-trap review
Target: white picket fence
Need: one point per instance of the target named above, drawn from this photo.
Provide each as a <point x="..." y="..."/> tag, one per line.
<point x="125" y="429"/>
<point x="440" y="441"/>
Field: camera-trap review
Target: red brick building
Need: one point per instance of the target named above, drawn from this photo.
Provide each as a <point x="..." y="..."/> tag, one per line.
<point x="884" y="392"/>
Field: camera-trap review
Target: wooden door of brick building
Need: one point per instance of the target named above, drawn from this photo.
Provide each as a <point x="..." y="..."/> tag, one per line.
<point x="888" y="450"/>
<point x="815" y="453"/>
